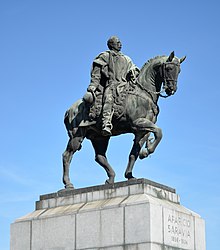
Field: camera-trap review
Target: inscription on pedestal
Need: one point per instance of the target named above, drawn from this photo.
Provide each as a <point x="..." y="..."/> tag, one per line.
<point x="128" y="215"/>
<point x="178" y="229"/>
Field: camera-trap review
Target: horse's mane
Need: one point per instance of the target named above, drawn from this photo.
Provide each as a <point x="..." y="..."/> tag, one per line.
<point x="148" y="64"/>
<point x="150" y="61"/>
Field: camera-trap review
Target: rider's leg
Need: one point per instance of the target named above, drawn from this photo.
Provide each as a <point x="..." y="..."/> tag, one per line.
<point x="107" y="112"/>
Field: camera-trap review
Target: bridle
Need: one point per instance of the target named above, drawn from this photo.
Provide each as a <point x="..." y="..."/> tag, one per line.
<point x="165" y="80"/>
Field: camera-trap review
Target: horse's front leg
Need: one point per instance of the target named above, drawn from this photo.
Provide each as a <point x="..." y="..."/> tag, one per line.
<point x="137" y="145"/>
<point x="143" y="127"/>
<point x="151" y="143"/>
<point x="150" y="127"/>
<point x="144" y="151"/>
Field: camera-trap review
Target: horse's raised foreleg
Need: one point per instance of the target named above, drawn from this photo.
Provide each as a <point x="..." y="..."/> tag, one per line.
<point x="151" y="143"/>
<point x="144" y="127"/>
<point x="100" y="146"/>
<point x="144" y="151"/>
<point x="73" y="145"/>
<point x="148" y="149"/>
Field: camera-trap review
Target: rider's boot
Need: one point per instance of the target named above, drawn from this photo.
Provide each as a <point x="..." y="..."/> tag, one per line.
<point x="106" y="119"/>
<point x="106" y="131"/>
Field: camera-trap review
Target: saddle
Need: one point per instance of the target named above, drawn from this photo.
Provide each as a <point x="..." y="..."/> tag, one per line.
<point x="120" y="93"/>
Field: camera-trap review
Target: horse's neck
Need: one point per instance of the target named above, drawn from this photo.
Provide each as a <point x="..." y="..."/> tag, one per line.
<point x="150" y="81"/>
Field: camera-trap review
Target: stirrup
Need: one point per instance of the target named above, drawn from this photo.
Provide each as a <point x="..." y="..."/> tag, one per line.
<point x="106" y="131"/>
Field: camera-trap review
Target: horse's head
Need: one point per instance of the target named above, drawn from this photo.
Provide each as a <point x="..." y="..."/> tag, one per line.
<point x="170" y="70"/>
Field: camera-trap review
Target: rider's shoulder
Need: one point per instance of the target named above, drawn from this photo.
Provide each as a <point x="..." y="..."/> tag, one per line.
<point x="104" y="54"/>
<point x="102" y="58"/>
<point x="127" y="58"/>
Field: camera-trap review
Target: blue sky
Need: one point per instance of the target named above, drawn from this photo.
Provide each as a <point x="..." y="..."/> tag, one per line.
<point x="46" y="51"/>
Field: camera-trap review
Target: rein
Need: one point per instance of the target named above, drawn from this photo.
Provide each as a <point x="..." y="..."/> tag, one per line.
<point x="165" y="80"/>
<point x="147" y="90"/>
<point x="153" y="92"/>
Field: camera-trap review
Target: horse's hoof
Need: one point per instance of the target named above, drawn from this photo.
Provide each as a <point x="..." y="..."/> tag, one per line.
<point x="110" y="181"/>
<point x="129" y="176"/>
<point x="144" y="153"/>
<point x="132" y="179"/>
<point x="69" y="186"/>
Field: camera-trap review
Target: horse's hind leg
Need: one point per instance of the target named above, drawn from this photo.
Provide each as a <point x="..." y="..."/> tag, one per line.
<point x="73" y="145"/>
<point x="100" y="146"/>
<point x="67" y="157"/>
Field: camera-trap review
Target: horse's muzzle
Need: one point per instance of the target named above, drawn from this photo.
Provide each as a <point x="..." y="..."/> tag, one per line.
<point x="170" y="92"/>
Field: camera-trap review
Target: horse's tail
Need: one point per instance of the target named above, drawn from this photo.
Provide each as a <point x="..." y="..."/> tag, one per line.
<point x="72" y="118"/>
<point x="67" y="121"/>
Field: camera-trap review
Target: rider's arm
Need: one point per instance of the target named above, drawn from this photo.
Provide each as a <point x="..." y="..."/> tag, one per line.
<point x="95" y="78"/>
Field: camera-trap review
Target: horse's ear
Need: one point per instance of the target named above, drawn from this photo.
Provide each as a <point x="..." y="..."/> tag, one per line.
<point x="182" y="59"/>
<point x="171" y="56"/>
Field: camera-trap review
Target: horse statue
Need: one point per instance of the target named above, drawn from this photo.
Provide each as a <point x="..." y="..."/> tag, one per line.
<point x="140" y="111"/>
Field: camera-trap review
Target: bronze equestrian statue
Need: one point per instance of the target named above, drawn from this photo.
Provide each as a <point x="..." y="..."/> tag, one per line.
<point x="133" y="109"/>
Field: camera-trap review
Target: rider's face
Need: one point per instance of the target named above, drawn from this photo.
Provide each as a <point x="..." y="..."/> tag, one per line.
<point x="116" y="45"/>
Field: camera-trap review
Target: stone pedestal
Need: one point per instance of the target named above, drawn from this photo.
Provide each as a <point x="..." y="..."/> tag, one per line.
<point x="131" y="215"/>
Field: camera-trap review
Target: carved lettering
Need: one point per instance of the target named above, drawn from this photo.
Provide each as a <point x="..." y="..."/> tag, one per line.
<point x="178" y="229"/>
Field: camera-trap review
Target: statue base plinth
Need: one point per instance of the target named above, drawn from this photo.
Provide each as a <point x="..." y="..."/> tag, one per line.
<point x="130" y="215"/>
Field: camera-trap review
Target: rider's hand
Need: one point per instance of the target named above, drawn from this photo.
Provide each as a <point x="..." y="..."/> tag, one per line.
<point x="91" y="88"/>
<point x="130" y="76"/>
<point x="88" y="97"/>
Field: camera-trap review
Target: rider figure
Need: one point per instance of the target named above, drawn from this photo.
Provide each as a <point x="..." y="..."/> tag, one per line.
<point x="116" y="68"/>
